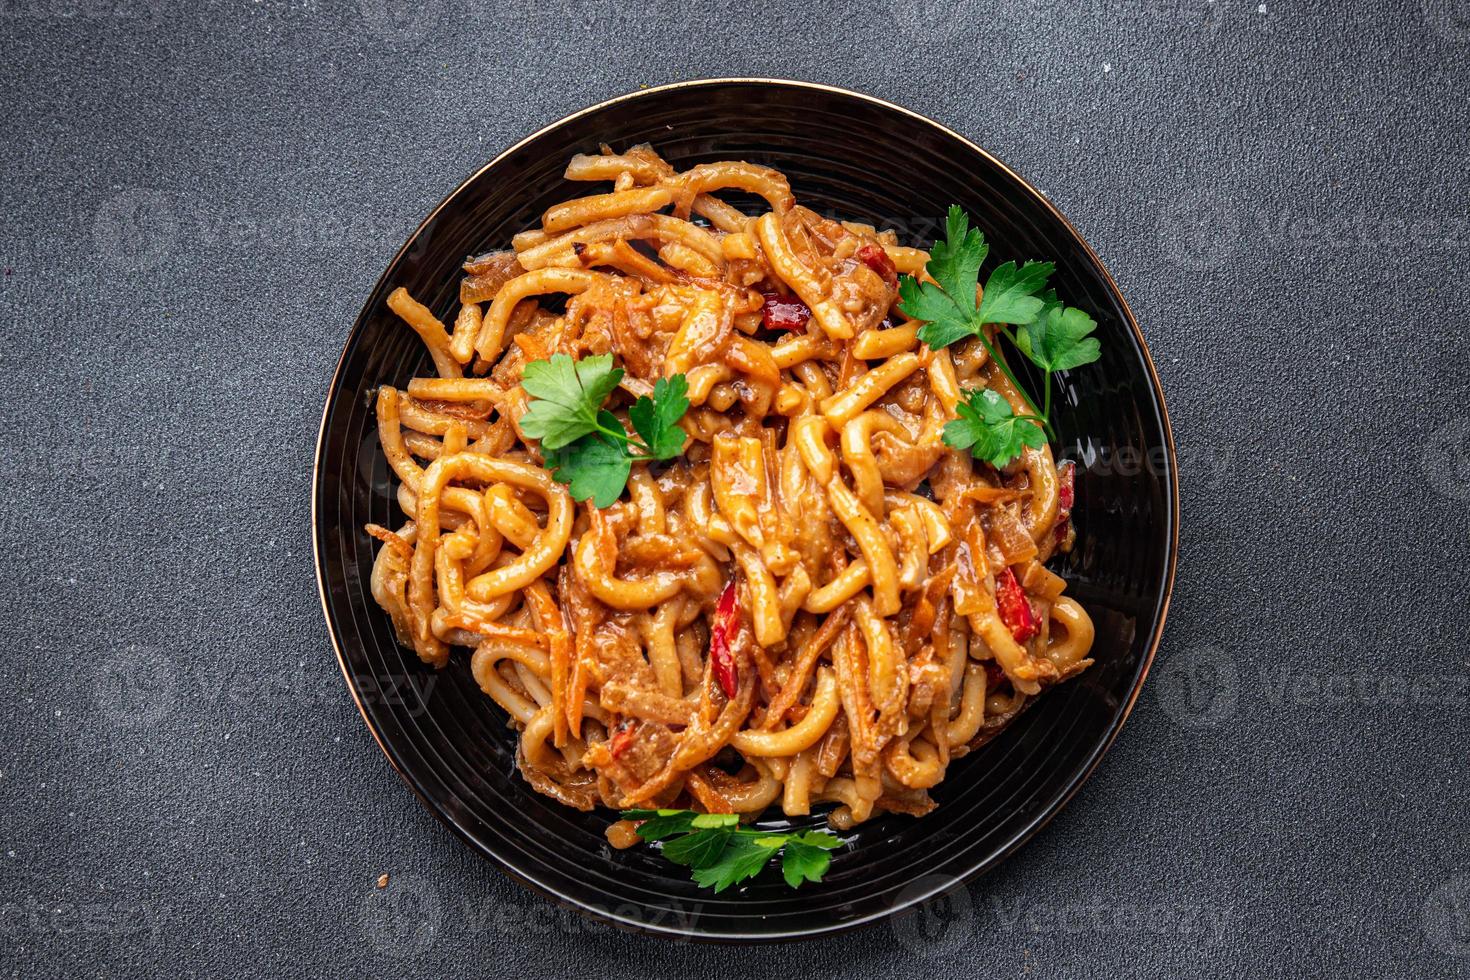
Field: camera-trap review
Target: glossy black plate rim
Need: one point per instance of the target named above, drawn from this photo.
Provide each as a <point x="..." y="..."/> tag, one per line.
<point x="916" y="896"/>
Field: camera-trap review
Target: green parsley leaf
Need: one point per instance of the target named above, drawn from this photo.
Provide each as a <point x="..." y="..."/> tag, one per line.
<point x="655" y="419"/>
<point x="1053" y="336"/>
<point x="583" y="444"/>
<point x="705" y="821"/>
<point x="990" y="430"/>
<point x="743" y="858"/>
<point x="1059" y="339"/>
<point x="955" y="263"/>
<point x="1048" y="301"/>
<point x="947" y="305"/>
<point x="566" y="396"/>
<point x="720" y="853"/>
<point x="594" y="467"/>
<point x="658" y="824"/>
<point x="946" y="320"/>
<point x="1009" y="294"/>
<point x="611" y="429"/>
<point x="803" y="862"/>
<point x="702" y="849"/>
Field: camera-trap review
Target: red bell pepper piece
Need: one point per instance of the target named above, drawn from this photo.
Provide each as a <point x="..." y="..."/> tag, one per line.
<point x="993" y="675"/>
<point x="721" y="632"/>
<point x="876" y="259"/>
<point x="784" y="313"/>
<point x="1015" y="608"/>
<point x="622" y="739"/>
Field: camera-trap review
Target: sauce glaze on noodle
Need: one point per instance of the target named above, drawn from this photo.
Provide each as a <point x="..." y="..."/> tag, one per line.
<point x="869" y="644"/>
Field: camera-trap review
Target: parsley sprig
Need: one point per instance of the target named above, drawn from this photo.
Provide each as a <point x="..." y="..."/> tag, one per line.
<point x="721" y="853"/>
<point x="990" y="431"/>
<point x="583" y="444"/>
<point x="1053" y="336"/>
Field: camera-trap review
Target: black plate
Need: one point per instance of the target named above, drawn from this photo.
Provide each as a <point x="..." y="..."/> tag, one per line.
<point x="849" y="155"/>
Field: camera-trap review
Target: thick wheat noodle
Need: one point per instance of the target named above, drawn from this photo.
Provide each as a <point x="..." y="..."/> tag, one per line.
<point x="639" y="227"/>
<point x="620" y="593"/>
<point x="538" y="283"/>
<point x="1076" y="640"/>
<point x="425" y="419"/>
<point x="877" y="344"/>
<point x="429" y="329"/>
<point x="801" y="280"/>
<point x="598" y="207"/>
<point x="857" y="452"/>
<point x="803" y="734"/>
<point x="844" y="585"/>
<point x="842" y="406"/>
<point x="871" y="541"/>
<point x="763" y="181"/>
<point x="868" y="647"/>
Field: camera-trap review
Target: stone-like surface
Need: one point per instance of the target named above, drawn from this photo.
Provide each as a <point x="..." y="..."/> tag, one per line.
<point x="196" y="199"/>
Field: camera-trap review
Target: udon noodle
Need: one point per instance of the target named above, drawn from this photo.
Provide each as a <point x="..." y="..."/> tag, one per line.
<point x="868" y="630"/>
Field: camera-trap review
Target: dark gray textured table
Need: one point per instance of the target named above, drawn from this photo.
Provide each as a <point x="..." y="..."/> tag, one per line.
<point x="196" y="200"/>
